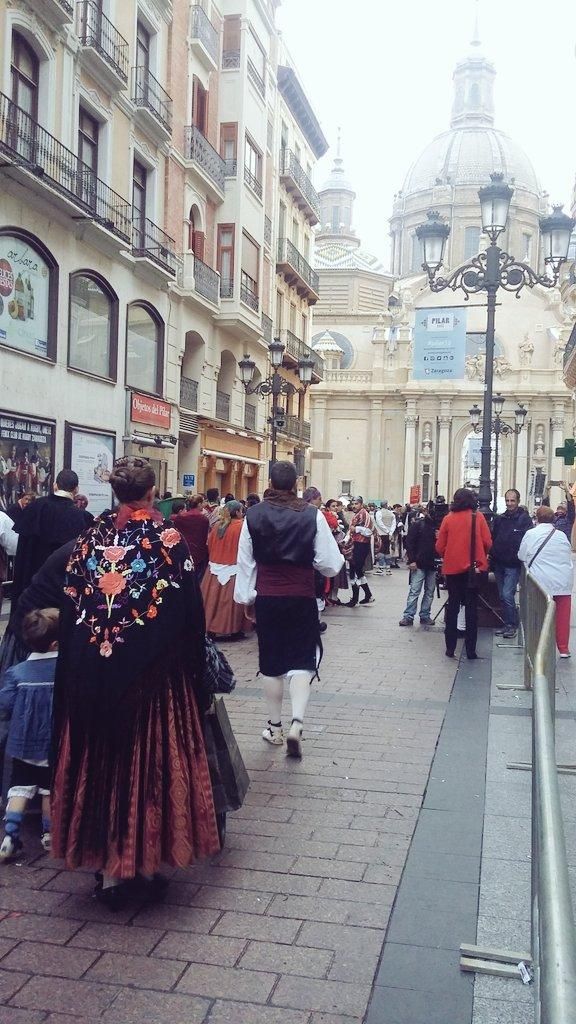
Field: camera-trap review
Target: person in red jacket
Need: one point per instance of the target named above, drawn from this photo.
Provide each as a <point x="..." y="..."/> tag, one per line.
<point x="454" y="543"/>
<point x="194" y="527"/>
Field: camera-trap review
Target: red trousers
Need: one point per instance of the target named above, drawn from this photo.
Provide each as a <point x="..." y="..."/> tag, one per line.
<point x="563" y="609"/>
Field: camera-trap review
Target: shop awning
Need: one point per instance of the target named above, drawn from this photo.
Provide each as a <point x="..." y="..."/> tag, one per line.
<point x="233" y="455"/>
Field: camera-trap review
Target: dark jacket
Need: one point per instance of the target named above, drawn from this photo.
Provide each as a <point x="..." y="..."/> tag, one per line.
<point x="26" y="699"/>
<point x="194" y="527"/>
<point x="43" y="527"/>
<point x="564" y="520"/>
<point x="282" y="534"/>
<point x="46" y="588"/>
<point x="507" y="533"/>
<point x="420" y="543"/>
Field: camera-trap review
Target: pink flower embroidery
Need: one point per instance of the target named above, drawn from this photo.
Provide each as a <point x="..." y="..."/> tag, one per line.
<point x="106" y="649"/>
<point x="111" y="583"/>
<point x="170" y="537"/>
<point x="114" y="554"/>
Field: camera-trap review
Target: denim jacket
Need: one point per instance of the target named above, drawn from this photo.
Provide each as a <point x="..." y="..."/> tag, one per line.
<point x="26" y="700"/>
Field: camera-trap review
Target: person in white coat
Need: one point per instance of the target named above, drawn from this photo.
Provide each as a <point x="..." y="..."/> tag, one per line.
<point x="385" y="523"/>
<point x="547" y="555"/>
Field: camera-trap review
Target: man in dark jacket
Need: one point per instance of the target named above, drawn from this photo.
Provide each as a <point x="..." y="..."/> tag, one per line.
<point x="421" y="554"/>
<point x="565" y="513"/>
<point x="507" y="533"/>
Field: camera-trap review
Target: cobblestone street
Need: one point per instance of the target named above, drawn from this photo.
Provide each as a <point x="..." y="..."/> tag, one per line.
<point x="286" y="925"/>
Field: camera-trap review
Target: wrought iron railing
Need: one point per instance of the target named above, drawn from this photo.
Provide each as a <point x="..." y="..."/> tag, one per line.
<point x="198" y="148"/>
<point x="226" y="287"/>
<point x="256" y="78"/>
<point x="150" y="240"/>
<point x="189" y="394"/>
<point x="222" y="406"/>
<point x="290" y="167"/>
<point x="288" y="254"/>
<point x="267" y="231"/>
<point x="147" y="92"/>
<point x="97" y="31"/>
<point x="248" y="292"/>
<point x="292" y="344"/>
<point x="309" y="353"/>
<point x="204" y="31"/>
<point x="230" y="59"/>
<point x="230" y="167"/>
<point x="252" y="181"/>
<point x="267" y="327"/>
<point x="24" y="142"/>
<point x="570" y="346"/>
<point x="249" y="417"/>
<point x="66" y="7"/>
<point x="297" y="428"/>
<point x="206" y="280"/>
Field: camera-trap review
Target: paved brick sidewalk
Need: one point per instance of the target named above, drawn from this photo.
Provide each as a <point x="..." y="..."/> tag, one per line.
<point x="286" y="925"/>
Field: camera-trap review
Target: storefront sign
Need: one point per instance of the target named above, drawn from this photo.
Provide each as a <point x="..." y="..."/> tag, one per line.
<point x="188" y="479"/>
<point x="24" y="289"/>
<point x="91" y="456"/>
<point x="439" y="344"/>
<point x="415" y="492"/>
<point x="150" y="410"/>
<point x="26" y="457"/>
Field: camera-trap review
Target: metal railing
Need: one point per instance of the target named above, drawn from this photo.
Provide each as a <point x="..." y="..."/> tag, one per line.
<point x="230" y="166"/>
<point x="267" y="232"/>
<point x="288" y="254"/>
<point x="198" y="148"/>
<point x="206" y="280"/>
<point x="24" y="142"/>
<point x="267" y="325"/>
<point x="256" y="78"/>
<point x="290" y="167"/>
<point x="249" y="417"/>
<point x="151" y="241"/>
<point x="230" y="59"/>
<point x="65" y="6"/>
<point x="253" y="182"/>
<point x="189" y="394"/>
<point x="297" y="428"/>
<point x="570" y="346"/>
<point x="226" y="287"/>
<point x="96" y="30"/>
<point x="204" y="31"/>
<point x="248" y="292"/>
<point x="223" y="406"/>
<point x="147" y="92"/>
<point x="293" y="345"/>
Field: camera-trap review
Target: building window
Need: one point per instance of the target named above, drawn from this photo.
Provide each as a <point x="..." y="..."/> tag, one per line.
<point x="92" y="325"/>
<point x="527" y="247"/>
<point x="295" y="233"/>
<point x="199" y="105"/>
<point x="144" y="349"/>
<point x="256" y="62"/>
<point x="346" y="487"/>
<point x="306" y="252"/>
<point x="279" y="312"/>
<point x="88" y="133"/>
<point x="417" y="256"/>
<point x="139" y="203"/>
<point x="426" y="482"/>
<point x="25" y="69"/>
<point x="28" y="294"/>
<point x="471" y="242"/>
<point x="225" y="258"/>
<point x="250" y="268"/>
<point x="293" y="317"/>
<point x="196" y="237"/>
<point x="253" y="167"/>
<point x="304" y="327"/>
<point x="335" y="219"/>
<point x="229" y="146"/>
<point x="231" y="42"/>
<point x="142" y="47"/>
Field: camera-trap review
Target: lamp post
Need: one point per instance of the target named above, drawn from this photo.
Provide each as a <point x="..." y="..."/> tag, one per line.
<point x="489" y="271"/>
<point x="499" y="428"/>
<point x="275" y="385"/>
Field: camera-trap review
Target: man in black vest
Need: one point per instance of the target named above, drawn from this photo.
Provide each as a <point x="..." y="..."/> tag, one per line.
<point x="283" y="540"/>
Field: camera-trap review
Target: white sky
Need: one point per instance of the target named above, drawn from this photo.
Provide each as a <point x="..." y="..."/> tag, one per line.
<point x="383" y="71"/>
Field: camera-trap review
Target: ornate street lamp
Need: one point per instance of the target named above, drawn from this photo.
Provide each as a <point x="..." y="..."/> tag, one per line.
<point x="499" y="428"/>
<point x="275" y="384"/>
<point x="489" y="271"/>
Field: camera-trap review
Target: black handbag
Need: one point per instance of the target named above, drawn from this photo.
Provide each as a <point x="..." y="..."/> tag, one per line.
<point x="220" y="676"/>
<point x="230" y="780"/>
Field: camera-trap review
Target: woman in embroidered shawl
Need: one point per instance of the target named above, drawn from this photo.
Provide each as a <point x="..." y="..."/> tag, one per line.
<point x="224" y="618"/>
<point x="131" y="782"/>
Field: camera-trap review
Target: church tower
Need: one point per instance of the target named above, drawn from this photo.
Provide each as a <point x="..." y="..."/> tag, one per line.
<point x="473" y="81"/>
<point x="337" y="206"/>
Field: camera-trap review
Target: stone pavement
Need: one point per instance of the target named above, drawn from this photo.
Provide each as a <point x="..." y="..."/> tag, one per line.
<point x="286" y="925"/>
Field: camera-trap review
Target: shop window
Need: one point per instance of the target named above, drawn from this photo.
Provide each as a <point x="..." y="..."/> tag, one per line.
<point x="28" y="294"/>
<point x="93" y="325"/>
<point x="144" y="348"/>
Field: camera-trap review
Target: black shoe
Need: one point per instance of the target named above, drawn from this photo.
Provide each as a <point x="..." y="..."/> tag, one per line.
<point x="323" y="627"/>
<point x="350" y="604"/>
<point x="473" y="656"/>
<point x="449" y="654"/>
<point x="113" y="896"/>
<point x="147" y="890"/>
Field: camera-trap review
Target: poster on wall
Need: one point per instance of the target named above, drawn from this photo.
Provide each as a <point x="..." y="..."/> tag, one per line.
<point x="26" y="457"/>
<point x="24" y="292"/>
<point x="439" y="344"/>
<point x="91" y="456"/>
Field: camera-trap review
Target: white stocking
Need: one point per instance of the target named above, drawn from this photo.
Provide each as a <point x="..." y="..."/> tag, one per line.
<point x="273" y="693"/>
<point x="300" y="692"/>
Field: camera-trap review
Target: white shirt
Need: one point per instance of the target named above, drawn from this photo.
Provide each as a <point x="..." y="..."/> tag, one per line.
<point x="552" y="568"/>
<point x="8" y="539"/>
<point x="327" y="559"/>
<point x="385" y="522"/>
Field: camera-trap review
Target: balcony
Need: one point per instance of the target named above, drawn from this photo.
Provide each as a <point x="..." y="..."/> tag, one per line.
<point x="32" y="151"/>
<point x="188" y="394"/>
<point x="206" y="160"/>
<point x="570" y="360"/>
<point x="222" y="406"/>
<point x="105" y="51"/>
<point x="152" y="102"/>
<point x="297" y="271"/>
<point x="299" y="187"/>
<point x="204" y="39"/>
<point x="296" y="428"/>
<point x="256" y="78"/>
<point x="230" y="60"/>
<point x="249" y="292"/>
<point x="252" y="182"/>
<point x="295" y="350"/>
<point x="230" y="167"/>
<point x="226" y="288"/>
<point x="206" y="281"/>
<point x="267" y="327"/>
<point x="249" y="417"/>
<point x="56" y="13"/>
<point x="151" y="243"/>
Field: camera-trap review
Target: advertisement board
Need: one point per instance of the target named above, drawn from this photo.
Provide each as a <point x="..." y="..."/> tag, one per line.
<point x="439" y="344"/>
<point x="26" y="457"/>
<point x="24" y="294"/>
<point x="91" y="455"/>
<point x="415" y="492"/>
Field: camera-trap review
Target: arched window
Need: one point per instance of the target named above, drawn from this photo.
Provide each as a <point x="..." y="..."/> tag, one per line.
<point x="471" y="242"/>
<point x="28" y="294"/>
<point x="144" y="348"/>
<point x="195" y="233"/>
<point x="25" y="75"/>
<point x="93" y="325"/>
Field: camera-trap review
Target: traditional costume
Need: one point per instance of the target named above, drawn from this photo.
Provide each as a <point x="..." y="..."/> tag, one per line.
<point x="360" y="534"/>
<point x="223" y="616"/>
<point x="131" y="782"/>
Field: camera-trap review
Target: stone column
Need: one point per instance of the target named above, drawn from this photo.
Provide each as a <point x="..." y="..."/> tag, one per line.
<point x="320" y="467"/>
<point x="520" y="479"/>
<point x="443" y="470"/>
<point x="376" y="446"/>
<point x="410" y="419"/>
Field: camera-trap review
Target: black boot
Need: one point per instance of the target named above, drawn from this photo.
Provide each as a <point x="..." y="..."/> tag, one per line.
<point x="367" y="599"/>
<point x="354" y="601"/>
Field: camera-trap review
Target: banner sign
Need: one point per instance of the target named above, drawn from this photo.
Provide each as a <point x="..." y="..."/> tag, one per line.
<point x="150" y="410"/>
<point x="24" y="288"/>
<point x="439" y="344"/>
<point x="26" y="457"/>
<point x="414" y="494"/>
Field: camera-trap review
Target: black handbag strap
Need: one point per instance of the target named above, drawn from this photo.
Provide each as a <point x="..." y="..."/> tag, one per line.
<point x="473" y="542"/>
<point x="543" y="544"/>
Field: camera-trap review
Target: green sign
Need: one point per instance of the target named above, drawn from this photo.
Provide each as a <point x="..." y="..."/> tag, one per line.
<point x="568" y="452"/>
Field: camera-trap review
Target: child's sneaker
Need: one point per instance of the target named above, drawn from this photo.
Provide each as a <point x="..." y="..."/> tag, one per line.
<point x="273" y="734"/>
<point x="10" y="847"/>
<point x="46" y="841"/>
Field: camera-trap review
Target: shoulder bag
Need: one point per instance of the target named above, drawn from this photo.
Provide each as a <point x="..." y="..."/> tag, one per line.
<point x="542" y="545"/>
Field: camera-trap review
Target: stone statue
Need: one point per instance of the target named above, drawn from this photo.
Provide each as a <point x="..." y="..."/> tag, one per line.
<point x="539" y="442"/>
<point x="475" y="366"/>
<point x="502" y="366"/>
<point x="559" y="352"/>
<point x="391" y="341"/>
<point x="526" y="350"/>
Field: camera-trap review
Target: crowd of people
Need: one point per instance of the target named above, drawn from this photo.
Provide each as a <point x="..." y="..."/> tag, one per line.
<point x="104" y="689"/>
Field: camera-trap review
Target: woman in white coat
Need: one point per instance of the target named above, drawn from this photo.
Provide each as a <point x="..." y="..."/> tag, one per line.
<point x="547" y="555"/>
